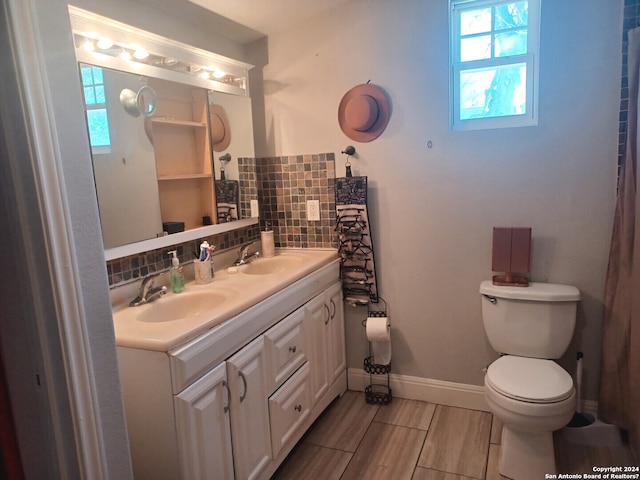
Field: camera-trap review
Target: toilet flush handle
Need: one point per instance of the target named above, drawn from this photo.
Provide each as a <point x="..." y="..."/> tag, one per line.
<point x="493" y="300"/>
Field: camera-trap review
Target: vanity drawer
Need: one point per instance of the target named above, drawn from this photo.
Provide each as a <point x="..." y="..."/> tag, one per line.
<point x="285" y="348"/>
<point x="289" y="407"/>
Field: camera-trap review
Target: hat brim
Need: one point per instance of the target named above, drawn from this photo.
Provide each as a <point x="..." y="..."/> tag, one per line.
<point x="219" y="124"/>
<point x="384" y="113"/>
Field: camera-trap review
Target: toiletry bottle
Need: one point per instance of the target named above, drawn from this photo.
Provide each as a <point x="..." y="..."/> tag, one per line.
<point x="175" y="272"/>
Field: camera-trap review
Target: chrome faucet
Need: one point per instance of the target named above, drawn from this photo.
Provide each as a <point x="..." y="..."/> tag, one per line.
<point x="148" y="292"/>
<point x="244" y="256"/>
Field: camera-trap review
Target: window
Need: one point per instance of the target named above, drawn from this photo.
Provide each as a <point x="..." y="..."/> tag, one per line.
<point x="96" y="107"/>
<point x="494" y="63"/>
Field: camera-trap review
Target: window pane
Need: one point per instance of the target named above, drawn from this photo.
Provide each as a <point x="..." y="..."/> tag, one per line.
<point x="87" y="78"/>
<point x="511" y="43"/>
<point x="475" y="21"/>
<point x="97" y="75"/>
<point x="100" y="98"/>
<point x="511" y="15"/>
<point x="89" y="96"/>
<point x="98" y="127"/>
<point x="493" y="92"/>
<point x="475" y="48"/>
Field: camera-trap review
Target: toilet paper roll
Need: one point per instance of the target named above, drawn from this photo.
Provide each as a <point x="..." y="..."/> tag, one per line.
<point x="379" y="334"/>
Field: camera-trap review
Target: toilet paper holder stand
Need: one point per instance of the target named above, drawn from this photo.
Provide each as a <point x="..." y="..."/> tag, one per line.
<point x="378" y="391"/>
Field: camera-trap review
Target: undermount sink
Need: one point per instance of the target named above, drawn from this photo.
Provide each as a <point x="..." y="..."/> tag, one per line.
<point x="180" y="306"/>
<point x="272" y="265"/>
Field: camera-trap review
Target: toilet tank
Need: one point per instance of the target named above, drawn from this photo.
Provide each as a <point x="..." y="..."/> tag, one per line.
<point x="535" y="321"/>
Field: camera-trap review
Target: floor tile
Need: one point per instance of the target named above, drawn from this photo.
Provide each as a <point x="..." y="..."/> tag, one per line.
<point x="406" y="413"/>
<point x="492" y="463"/>
<point x="496" y="431"/>
<point x="429" y="474"/>
<point x="457" y="442"/>
<point x="344" y="423"/>
<point x="310" y="462"/>
<point x="575" y="458"/>
<point x="386" y="452"/>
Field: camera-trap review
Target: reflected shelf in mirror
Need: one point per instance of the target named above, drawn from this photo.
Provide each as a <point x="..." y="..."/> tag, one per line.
<point x="175" y="238"/>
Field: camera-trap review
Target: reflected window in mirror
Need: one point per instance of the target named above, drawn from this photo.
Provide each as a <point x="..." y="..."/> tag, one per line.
<point x="96" y="107"/>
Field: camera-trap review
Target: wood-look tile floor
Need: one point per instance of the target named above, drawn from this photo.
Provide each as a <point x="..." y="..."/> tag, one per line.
<point x="414" y="440"/>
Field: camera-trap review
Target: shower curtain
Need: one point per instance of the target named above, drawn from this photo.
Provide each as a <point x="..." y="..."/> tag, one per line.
<point x="620" y="375"/>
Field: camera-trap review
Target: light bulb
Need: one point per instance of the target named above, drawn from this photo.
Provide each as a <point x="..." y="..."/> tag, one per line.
<point x="88" y="45"/>
<point x="104" y="44"/>
<point x="218" y="73"/>
<point x="125" y="55"/>
<point x="140" y="53"/>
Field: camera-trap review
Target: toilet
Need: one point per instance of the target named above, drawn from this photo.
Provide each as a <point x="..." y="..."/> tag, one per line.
<point x="525" y="389"/>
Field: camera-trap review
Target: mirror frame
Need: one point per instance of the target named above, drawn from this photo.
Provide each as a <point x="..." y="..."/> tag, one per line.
<point x="89" y="24"/>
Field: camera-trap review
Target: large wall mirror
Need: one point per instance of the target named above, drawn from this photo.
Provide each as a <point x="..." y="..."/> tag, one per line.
<point x="162" y="135"/>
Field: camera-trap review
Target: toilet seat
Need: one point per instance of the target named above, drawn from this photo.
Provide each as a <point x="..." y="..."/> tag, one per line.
<point x="531" y="380"/>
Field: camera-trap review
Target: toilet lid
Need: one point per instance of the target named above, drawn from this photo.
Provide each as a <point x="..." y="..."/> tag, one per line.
<point x="532" y="380"/>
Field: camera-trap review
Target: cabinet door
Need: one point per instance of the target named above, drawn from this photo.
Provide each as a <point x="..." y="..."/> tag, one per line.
<point x="337" y="357"/>
<point x="317" y="316"/>
<point x="247" y="376"/>
<point x="202" y="424"/>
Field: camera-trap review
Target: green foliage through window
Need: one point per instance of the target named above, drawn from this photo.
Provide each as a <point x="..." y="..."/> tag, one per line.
<point x="494" y="62"/>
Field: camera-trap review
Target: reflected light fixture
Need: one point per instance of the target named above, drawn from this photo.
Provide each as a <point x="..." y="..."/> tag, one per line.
<point x="140" y="53"/>
<point x="104" y="43"/>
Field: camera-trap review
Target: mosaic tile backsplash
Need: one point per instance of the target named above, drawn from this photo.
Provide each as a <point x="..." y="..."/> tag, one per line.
<point x="283" y="185"/>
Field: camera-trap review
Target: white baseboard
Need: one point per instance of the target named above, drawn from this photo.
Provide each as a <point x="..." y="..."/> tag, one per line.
<point x="424" y="389"/>
<point x="436" y="391"/>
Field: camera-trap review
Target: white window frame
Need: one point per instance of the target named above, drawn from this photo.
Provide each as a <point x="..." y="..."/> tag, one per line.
<point x="531" y="58"/>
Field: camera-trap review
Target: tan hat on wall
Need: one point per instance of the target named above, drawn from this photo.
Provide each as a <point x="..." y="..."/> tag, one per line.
<point x="220" y="129"/>
<point x="364" y="112"/>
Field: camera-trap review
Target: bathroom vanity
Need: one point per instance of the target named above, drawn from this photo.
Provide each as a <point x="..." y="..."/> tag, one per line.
<point x="225" y="389"/>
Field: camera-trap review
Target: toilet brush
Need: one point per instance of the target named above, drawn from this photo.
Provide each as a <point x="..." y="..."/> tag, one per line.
<point x="579" y="419"/>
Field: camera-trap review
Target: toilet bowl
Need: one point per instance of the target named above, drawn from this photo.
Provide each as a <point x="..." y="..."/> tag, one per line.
<point x="529" y="393"/>
<point x="532" y="398"/>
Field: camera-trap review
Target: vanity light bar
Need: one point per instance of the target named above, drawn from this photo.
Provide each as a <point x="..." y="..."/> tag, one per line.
<point x="103" y="46"/>
<point x="123" y="42"/>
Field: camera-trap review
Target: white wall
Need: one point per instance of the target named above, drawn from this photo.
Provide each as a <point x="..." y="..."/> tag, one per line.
<point x="433" y="209"/>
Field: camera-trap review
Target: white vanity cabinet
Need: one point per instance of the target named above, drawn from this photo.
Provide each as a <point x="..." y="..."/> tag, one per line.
<point x="233" y="402"/>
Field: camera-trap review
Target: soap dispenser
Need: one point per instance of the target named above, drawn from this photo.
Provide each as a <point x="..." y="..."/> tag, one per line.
<point x="175" y="273"/>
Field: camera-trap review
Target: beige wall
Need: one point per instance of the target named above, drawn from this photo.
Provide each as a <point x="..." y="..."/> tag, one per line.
<point x="433" y="209"/>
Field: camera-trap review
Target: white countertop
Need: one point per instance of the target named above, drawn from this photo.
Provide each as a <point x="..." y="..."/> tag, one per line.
<point x="238" y="291"/>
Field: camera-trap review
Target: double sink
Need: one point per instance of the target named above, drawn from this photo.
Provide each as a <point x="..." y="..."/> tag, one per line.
<point x="176" y="318"/>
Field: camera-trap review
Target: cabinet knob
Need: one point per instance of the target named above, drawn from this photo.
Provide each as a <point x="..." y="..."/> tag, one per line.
<point x="298" y="408"/>
<point x="292" y="349"/>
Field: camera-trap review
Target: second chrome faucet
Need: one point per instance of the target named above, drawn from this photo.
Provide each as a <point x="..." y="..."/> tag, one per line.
<point x="244" y="256"/>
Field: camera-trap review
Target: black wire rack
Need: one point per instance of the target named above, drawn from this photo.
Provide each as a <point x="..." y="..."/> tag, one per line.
<point x="378" y="391"/>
